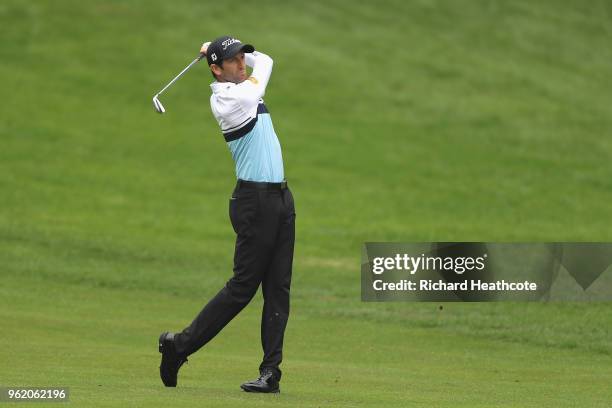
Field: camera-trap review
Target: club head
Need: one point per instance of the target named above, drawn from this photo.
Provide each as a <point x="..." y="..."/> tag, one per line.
<point x="158" y="105"/>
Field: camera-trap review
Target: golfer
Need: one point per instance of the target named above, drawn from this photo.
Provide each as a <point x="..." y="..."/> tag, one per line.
<point x="261" y="211"/>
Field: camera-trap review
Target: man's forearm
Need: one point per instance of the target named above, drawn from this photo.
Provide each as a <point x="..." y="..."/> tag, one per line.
<point x="262" y="67"/>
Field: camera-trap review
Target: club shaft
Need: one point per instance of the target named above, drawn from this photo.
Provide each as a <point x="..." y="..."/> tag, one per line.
<point x="180" y="74"/>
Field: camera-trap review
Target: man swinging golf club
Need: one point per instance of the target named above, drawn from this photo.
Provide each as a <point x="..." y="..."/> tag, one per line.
<point x="261" y="211"/>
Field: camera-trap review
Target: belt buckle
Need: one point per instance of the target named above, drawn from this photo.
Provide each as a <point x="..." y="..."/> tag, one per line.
<point x="283" y="185"/>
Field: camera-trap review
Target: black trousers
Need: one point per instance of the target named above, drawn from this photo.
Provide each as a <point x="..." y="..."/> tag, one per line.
<point x="263" y="217"/>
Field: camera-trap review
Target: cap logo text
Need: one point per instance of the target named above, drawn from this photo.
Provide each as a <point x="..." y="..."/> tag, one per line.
<point x="229" y="42"/>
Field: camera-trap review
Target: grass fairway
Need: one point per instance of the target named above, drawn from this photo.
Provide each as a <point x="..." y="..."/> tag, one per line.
<point x="399" y="121"/>
<point x="98" y="340"/>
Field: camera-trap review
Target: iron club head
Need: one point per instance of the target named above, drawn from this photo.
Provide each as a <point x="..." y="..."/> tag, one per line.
<point x="158" y="105"/>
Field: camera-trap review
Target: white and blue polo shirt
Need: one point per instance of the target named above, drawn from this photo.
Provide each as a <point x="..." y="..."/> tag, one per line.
<point x="246" y="124"/>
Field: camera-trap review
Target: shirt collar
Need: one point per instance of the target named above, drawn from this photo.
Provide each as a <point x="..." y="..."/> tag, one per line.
<point x="220" y="86"/>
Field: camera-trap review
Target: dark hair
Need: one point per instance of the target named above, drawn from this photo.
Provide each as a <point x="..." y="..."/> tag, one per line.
<point x="220" y="64"/>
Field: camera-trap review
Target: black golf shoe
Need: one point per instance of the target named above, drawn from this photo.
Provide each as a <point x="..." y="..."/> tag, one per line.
<point x="170" y="361"/>
<point x="266" y="383"/>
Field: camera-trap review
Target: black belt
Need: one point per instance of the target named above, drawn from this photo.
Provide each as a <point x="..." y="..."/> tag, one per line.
<point x="258" y="185"/>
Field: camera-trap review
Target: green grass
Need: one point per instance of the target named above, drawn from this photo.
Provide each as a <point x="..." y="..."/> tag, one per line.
<point x="101" y="342"/>
<point x="399" y="121"/>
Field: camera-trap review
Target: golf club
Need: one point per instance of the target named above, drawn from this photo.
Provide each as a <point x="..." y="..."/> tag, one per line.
<point x="156" y="102"/>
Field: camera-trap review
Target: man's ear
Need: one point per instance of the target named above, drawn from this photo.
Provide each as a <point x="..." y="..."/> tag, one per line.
<point x="216" y="69"/>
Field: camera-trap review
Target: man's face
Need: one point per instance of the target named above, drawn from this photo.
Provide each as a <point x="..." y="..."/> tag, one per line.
<point x="232" y="70"/>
